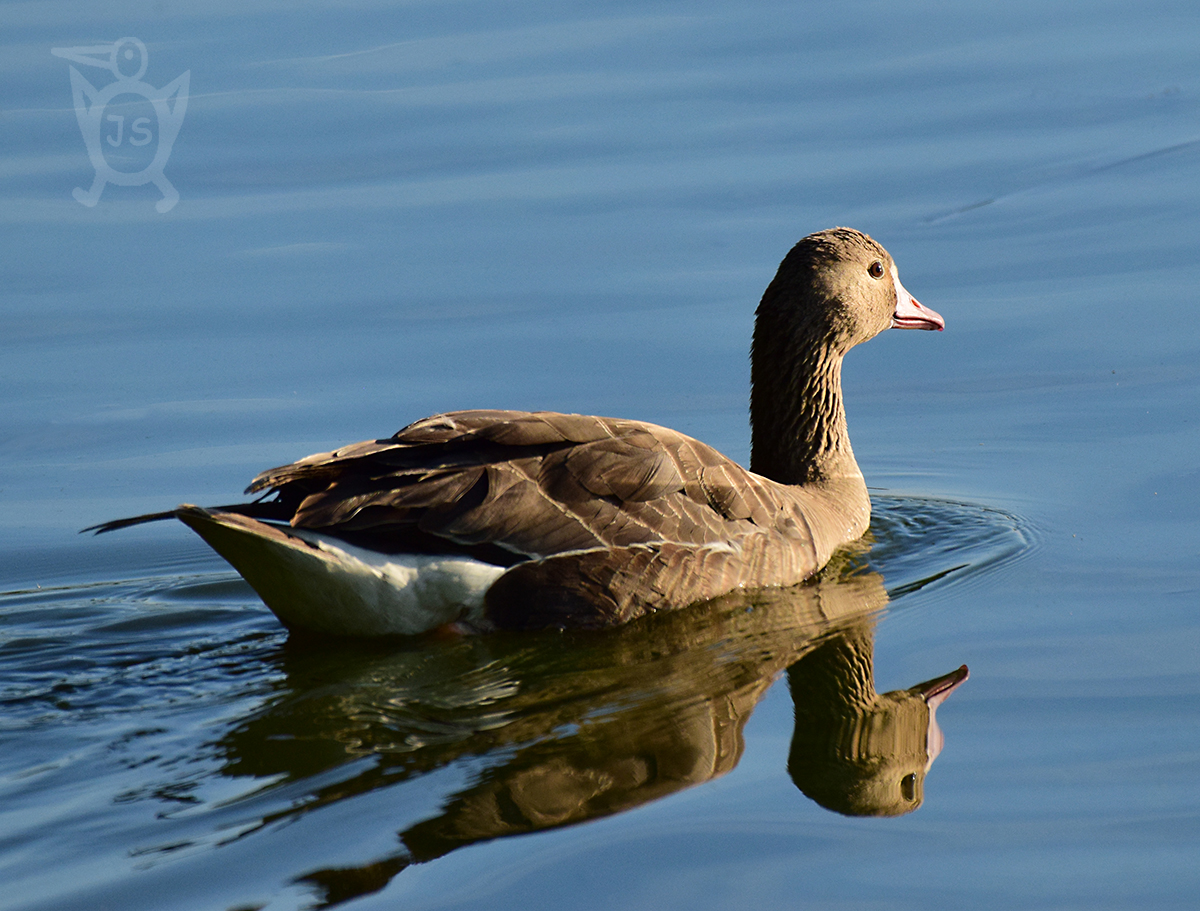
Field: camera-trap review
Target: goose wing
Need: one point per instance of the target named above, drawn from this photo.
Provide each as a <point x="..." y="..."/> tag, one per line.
<point x="513" y="486"/>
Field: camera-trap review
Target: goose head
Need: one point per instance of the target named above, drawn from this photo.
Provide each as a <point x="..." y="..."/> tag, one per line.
<point x="838" y="288"/>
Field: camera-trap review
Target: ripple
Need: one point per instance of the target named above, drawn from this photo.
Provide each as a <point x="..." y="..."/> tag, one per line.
<point x="943" y="545"/>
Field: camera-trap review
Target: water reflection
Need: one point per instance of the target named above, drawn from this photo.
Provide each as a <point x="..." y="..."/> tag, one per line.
<point x="853" y="750"/>
<point x="559" y="728"/>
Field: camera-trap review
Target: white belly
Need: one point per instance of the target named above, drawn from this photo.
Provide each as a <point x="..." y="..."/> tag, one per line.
<point x="319" y="583"/>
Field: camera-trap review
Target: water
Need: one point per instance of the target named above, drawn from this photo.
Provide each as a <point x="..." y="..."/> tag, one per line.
<point x="390" y="211"/>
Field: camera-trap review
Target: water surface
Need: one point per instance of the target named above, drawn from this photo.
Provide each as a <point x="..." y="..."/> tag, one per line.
<point x="387" y="211"/>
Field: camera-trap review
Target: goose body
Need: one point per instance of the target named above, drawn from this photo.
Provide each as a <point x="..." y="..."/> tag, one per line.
<point x="505" y="519"/>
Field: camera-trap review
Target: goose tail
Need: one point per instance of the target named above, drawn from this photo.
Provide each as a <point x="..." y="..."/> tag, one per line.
<point x="321" y="584"/>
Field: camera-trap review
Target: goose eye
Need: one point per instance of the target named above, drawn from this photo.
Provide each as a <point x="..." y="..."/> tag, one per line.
<point x="908" y="787"/>
<point x="875" y="270"/>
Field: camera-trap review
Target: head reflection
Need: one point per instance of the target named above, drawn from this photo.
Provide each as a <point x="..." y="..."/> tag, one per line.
<point x="854" y="751"/>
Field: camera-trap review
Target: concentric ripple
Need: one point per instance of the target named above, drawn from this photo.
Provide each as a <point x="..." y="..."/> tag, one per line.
<point x="944" y="545"/>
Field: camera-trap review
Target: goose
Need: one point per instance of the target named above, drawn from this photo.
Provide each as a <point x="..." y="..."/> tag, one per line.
<point x="484" y="520"/>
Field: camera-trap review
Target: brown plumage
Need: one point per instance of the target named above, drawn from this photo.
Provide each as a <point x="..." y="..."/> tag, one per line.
<point x="596" y="520"/>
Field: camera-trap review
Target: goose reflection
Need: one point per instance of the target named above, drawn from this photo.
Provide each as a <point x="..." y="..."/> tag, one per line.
<point x="853" y="750"/>
<point x="556" y="729"/>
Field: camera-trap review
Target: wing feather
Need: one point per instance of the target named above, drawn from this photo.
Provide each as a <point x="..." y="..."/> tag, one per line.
<point x="653" y="504"/>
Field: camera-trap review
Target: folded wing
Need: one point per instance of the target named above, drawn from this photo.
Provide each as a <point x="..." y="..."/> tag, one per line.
<point x="618" y="514"/>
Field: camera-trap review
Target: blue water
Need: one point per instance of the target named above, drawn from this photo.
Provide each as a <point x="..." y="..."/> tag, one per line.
<point x="391" y="210"/>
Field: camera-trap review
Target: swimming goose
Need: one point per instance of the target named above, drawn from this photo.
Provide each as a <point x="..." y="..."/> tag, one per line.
<point x="506" y="519"/>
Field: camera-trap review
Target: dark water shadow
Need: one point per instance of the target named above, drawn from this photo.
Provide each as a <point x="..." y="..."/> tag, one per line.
<point x="556" y="729"/>
<point x="559" y="729"/>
